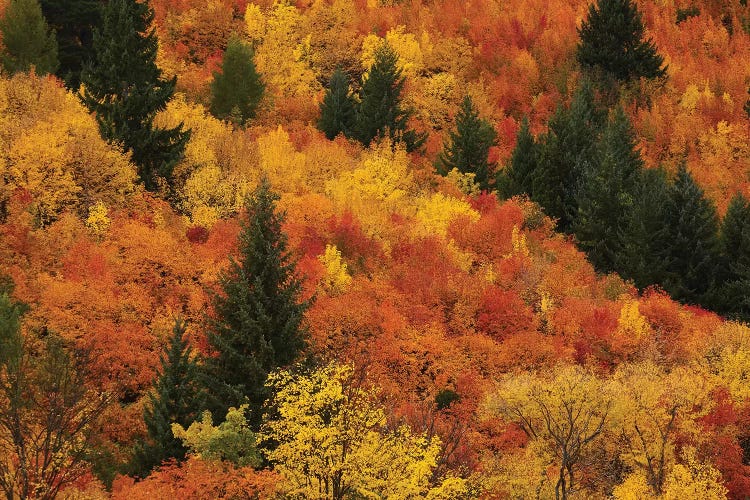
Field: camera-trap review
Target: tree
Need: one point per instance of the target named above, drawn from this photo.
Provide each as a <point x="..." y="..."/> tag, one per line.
<point x="735" y="247"/>
<point x="692" y="239"/>
<point x="256" y="324"/>
<point x="177" y="398"/>
<point x="73" y="22"/>
<point x="517" y="177"/>
<point x="46" y="412"/>
<point x="237" y="89"/>
<point x="27" y="39"/>
<point x="380" y="103"/>
<point x="337" y="111"/>
<point x="125" y="89"/>
<point x="611" y="42"/>
<point x="469" y="145"/>
<point x="607" y="194"/>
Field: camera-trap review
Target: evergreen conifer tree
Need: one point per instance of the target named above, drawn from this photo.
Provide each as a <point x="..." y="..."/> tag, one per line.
<point x="256" y="324"/>
<point x="607" y="194"/>
<point x="177" y="398"/>
<point x="692" y="239"/>
<point x="735" y="245"/>
<point x="125" y="89"/>
<point x="73" y="22"/>
<point x="517" y="177"/>
<point x="469" y="145"/>
<point x="337" y="111"/>
<point x="380" y="103"/>
<point x="237" y="89"/>
<point x="27" y="39"/>
<point x="611" y="42"/>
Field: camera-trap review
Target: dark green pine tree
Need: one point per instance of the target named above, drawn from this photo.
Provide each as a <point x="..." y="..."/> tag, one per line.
<point x="607" y="194"/>
<point x="567" y="147"/>
<point x="734" y="298"/>
<point x="28" y="41"/>
<point x="469" y="145"/>
<point x="611" y="43"/>
<point x="693" y="241"/>
<point x="73" y="22"/>
<point x="747" y="105"/>
<point x="257" y="321"/>
<point x="644" y="258"/>
<point x="517" y="177"/>
<point x="380" y="107"/>
<point x="338" y="109"/>
<point x="125" y="89"/>
<point x="178" y="397"/>
<point x="237" y="89"/>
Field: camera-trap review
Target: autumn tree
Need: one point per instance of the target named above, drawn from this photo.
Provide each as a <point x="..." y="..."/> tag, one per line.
<point x="338" y="109"/>
<point x="469" y="145"/>
<point x="46" y="411"/>
<point x="177" y="398"/>
<point x="237" y="89"/>
<point x="517" y="177"/>
<point x="566" y="412"/>
<point x="27" y="39"/>
<point x="611" y="42"/>
<point x="125" y="89"/>
<point x="607" y="194"/>
<point x="257" y="320"/>
<point x="380" y="109"/>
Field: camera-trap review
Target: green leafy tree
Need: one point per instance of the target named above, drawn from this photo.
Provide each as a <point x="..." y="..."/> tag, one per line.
<point x="380" y="107"/>
<point x="27" y="39"/>
<point x="517" y="177"/>
<point x="692" y="239"/>
<point x="735" y="246"/>
<point x="125" y="89"/>
<point x="73" y="22"/>
<point x="257" y="321"/>
<point x="338" y="109"/>
<point x="237" y="89"/>
<point x="469" y="145"/>
<point x="607" y="194"/>
<point x="177" y="398"/>
<point x="611" y="42"/>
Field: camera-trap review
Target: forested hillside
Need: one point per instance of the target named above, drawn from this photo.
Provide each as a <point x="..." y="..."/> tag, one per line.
<point x="359" y="249"/>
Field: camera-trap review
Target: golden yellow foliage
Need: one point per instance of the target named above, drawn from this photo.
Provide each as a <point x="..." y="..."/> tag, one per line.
<point x="98" y="220"/>
<point x="337" y="278"/>
<point x="283" y="164"/>
<point x="694" y="479"/>
<point x="635" y="487"/>
<point x="436" y="211"/>
<point x="406" y="45"/>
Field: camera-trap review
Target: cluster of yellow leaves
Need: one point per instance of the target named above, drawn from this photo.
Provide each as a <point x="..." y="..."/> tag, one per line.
<point x="436" y="211"/>
<point x="336" y="278"/>
<point x="98" y="220"/>
<point x="409" y="50"/>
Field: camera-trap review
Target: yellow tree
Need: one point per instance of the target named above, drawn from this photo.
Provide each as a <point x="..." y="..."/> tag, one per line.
<point x="566" y="412"/>
<point x="333" y="441"/>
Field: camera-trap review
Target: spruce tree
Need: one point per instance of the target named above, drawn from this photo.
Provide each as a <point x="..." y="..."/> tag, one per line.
<point x="734" y="298"/>
<point x="469" y="145"/>
<point x="611" y="42"/>
<point x="380" y="107"/>
<point x="177" y="398"/>
<point x="73" y="22"/>
<point x="692" y="239"/>
<point x="237" y="89"/>
<point x="518" y="176"/>
<point x="125" y="89"/>
<point x="257" y="321"/>
<point x="337" y="111"/>
<point x="607" y="194"/>
<point x="567" y="147"/>
<point x="28" y="41"/>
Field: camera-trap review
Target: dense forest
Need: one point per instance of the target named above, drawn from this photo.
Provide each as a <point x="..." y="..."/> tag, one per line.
<point x="375" y="249"/>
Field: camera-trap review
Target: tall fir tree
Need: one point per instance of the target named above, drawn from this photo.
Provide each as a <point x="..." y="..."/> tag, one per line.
<point x="469" y="145"/>
<point x="257" y="321"/>
<point x="567" y="147"/>
<point x="607" y="194"/>
<point x="611" y="42"/>
<point x="693" y="241"/>
<point x="380" y="108"/>
<point x="237" y="89"/>
<point x="178" y="397"/>
<point x="338" y="109"/>
<point x="734" y="298"/>
<point x="517" y="177"/>
<point x="27" y="39"/>
<point x="73" y="22"/>
<point x="125" y="89"/>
